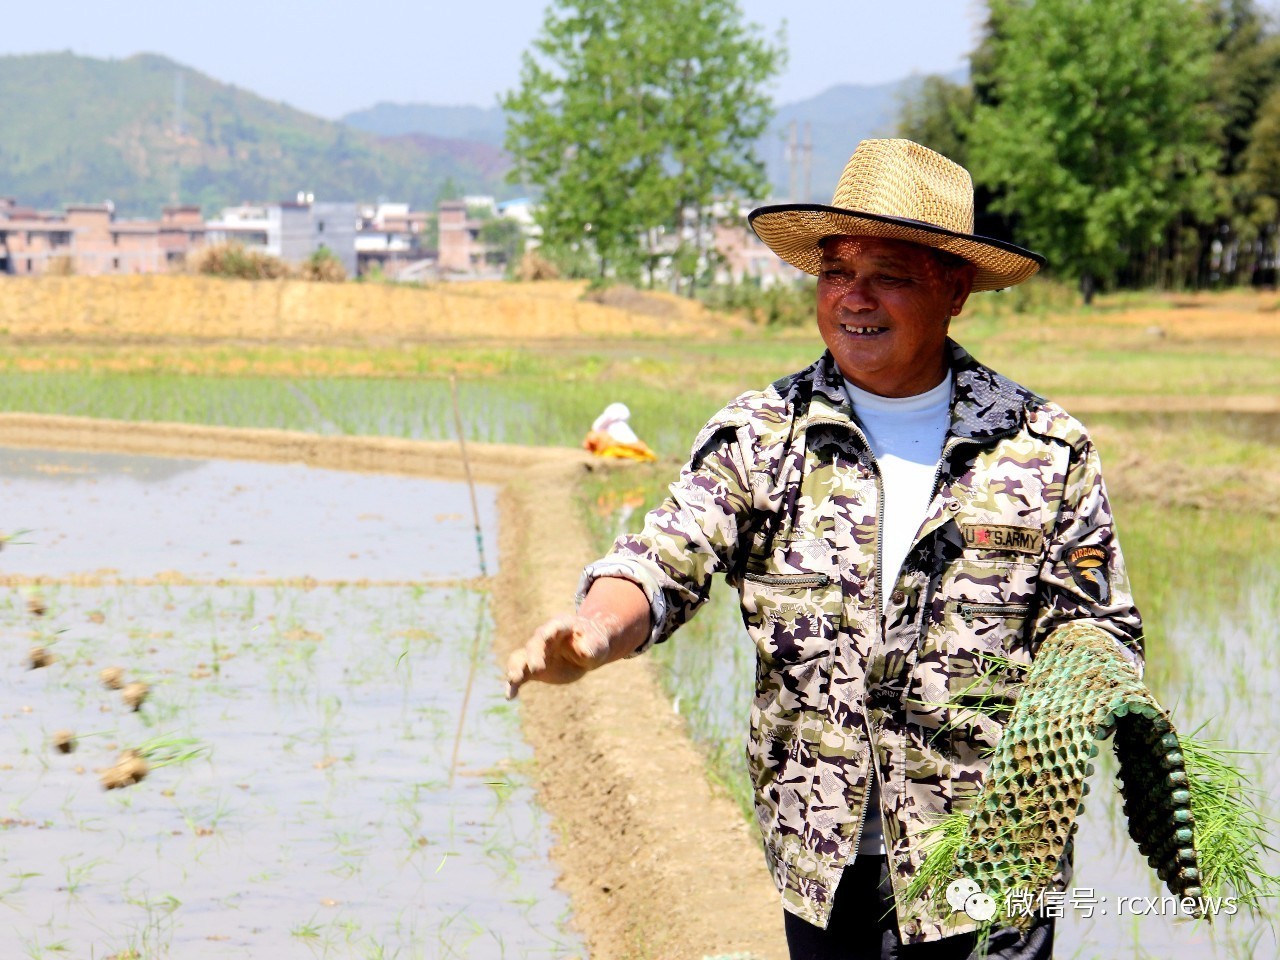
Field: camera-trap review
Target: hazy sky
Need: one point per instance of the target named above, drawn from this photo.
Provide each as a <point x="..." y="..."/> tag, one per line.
<point x="334" y="56"/>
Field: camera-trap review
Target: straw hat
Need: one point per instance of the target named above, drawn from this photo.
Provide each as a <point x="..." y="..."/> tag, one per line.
<point x="903" y="191"/>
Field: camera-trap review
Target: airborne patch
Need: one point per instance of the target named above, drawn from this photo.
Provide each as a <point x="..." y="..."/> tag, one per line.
<point x="989" y="536"/>
<point x="1088" y="566"/>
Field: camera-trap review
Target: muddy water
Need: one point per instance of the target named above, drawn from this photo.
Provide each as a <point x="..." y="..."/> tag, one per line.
<point x="325" y="815"/>
<point x="1210" y="592"/>
<point x="141" y="516"/>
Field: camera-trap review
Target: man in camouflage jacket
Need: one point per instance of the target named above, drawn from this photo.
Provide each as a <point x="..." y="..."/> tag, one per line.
<point x="781" y="495"/>
<point x="902" y="675"/>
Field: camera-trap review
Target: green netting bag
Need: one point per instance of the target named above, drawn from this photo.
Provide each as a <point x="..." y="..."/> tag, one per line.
<point x="1081" y="689"/>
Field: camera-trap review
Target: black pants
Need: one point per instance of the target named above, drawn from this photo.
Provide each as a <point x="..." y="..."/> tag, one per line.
<point x="863" y="926"/>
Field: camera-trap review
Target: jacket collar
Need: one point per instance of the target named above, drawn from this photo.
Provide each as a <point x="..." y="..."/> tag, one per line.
<point x="984" y="404"/>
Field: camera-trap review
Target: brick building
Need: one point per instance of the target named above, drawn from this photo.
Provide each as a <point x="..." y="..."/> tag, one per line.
<point x="88" y="239"/>
<point x="460" y="247"/>
<point x="393" y="238"/>
<point x="746" y="260"/>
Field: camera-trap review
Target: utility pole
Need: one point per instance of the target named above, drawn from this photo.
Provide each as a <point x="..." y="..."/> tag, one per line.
<point x="793" y="157"/>
<point x="807" y="154"/>
<point x="179" y="93"/>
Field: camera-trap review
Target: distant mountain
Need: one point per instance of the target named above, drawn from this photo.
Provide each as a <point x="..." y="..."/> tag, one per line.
<point x="145" y="131"/>
<point x="838" y="117"/>
<point x="480" y="124"/>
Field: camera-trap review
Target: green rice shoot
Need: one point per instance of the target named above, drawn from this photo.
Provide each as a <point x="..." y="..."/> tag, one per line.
<point x="944" y="840"/>
<point x="166" y="751"/>
<point x="1231" y="834"/>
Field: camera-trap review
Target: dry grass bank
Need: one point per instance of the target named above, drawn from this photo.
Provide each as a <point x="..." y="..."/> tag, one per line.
<point x="210" y="308"/>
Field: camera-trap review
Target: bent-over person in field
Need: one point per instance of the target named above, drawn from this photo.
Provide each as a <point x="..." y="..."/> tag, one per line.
<point x="905" y="526"/>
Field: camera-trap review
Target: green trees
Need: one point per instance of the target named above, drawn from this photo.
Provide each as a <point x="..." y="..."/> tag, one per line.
<point x="937" y="116"/>
<point x="632" y="113"/>
<point x="1096" y="132"/>
<point x="1244" y="83"/>
<point x="1219" y="217"/>
<point x="505" y="239"/>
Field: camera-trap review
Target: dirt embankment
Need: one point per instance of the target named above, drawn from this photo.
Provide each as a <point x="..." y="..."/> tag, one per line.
<point x="658" y="865"/>
<point x="210" y="308"/>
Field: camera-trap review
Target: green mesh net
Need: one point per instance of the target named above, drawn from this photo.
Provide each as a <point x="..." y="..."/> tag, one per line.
<point x="1080" y="689"/>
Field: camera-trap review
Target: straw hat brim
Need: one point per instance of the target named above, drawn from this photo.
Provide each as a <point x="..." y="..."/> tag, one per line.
<point x="794" y="230"/>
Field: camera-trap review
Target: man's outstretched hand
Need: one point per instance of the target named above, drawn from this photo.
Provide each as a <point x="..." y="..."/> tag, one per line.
<point x="560" y="651"/>
<point x="612" y="623"/>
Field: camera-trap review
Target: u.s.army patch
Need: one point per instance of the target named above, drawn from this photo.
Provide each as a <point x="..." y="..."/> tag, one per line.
<point x="1088" y="566"/>
<point x="991" y="536"/>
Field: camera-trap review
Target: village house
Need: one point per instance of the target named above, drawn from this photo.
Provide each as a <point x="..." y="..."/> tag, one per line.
<point x="391" y="238"/>
<point x="88" y="239"/>
<point x="744" y="259"/>
<point x="291" y="231"/>
<point x="464" y="251"/>
<point x="460" y="248"/>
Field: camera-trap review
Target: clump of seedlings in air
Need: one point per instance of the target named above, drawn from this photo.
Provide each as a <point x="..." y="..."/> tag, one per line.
<point x="64" y="741"/>
<point x="133" y="765"/>
<point x="36" y="605"/>
<point x="40" y="656"/>
<point x="130" y="767"/>
<point x="135" y="694"/>
<point x="112" y="677"/>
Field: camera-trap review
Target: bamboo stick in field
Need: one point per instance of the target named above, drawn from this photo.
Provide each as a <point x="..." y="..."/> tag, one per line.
<point x="466" y="466"/>
<point x="466" y="694"/>
<point x="475" y="516"/>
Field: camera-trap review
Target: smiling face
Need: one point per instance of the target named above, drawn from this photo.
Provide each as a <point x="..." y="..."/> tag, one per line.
<point x="883" y="311"/>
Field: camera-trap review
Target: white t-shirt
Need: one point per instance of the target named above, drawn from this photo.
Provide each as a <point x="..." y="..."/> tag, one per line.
<point x="906" y="436"/>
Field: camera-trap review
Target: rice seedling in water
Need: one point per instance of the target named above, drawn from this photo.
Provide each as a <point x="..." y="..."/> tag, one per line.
<point x="78" y="873"/>
<point x="306" y="931"/>
<point x="11" y="539"/>
<point x="349" y="689"/>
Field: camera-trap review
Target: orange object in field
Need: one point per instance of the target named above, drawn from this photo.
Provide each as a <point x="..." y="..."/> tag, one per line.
<point x="612" y="436"/>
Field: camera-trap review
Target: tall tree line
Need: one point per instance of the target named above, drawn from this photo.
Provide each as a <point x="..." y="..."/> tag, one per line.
<point x="1135" y="142"/>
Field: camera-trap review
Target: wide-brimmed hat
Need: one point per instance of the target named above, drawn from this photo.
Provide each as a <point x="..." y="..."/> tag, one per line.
<point x="903" y="191"/>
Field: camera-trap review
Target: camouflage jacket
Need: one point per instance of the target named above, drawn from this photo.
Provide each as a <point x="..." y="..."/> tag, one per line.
<point x="782" y="495"/>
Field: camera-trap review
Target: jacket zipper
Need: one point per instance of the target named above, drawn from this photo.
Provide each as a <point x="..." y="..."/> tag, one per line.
<point x="866" y="797"/>
<point x="969" y="611"/>
<point x="878" y="587"/>
<point x="789" y="579"/>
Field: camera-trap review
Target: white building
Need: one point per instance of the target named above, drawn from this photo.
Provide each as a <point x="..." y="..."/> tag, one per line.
<point x="522" y="210"/>
<point x="291" y="231"/>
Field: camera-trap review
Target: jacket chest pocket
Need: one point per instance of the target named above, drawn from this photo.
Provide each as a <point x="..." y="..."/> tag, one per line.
<point x="792" y="602"/>
<point x="986" y="608"/>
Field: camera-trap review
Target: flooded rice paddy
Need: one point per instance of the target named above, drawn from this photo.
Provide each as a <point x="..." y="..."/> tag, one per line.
<point x="1209" y="588"/>
<point x="142" y="517"/>
<point x="312" y="791"/>
<point x="517" y="409"/>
